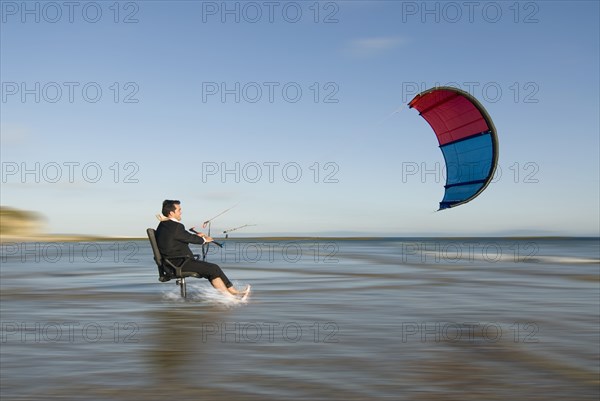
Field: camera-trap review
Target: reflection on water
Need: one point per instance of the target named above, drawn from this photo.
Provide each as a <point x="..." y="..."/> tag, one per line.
<point x="419" y="319"/>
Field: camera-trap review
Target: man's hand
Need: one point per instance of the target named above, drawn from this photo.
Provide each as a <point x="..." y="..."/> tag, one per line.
<point x="206" y="237"/>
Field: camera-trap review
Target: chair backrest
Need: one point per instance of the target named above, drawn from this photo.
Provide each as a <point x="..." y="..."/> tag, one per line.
<point x="157" y="256"/>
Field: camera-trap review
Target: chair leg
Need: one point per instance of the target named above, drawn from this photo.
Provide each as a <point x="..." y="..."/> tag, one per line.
<point x="183" y="288"/>
<point x="181" y="283"/>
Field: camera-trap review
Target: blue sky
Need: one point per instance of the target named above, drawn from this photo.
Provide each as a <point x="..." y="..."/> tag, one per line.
<point x="296" y="113"/>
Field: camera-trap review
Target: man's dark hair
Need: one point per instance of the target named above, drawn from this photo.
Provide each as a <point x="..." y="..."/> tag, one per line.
<point x="169" y="206"/>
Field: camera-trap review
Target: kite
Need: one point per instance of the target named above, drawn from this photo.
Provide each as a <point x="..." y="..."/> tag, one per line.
<point x="467" y="138"/>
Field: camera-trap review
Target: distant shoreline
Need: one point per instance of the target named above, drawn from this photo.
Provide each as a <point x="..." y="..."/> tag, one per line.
<point x="88" y="238"/>
<point x="60" y="238"/>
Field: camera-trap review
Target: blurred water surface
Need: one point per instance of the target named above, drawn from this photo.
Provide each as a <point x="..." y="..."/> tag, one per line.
<point x="402" y="319"/>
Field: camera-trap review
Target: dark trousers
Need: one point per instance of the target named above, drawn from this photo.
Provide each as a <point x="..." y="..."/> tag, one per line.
<point x="206" y="270"/>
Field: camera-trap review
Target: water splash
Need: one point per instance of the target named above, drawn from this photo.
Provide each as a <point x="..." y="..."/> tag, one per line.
<point x="204" y="293"/>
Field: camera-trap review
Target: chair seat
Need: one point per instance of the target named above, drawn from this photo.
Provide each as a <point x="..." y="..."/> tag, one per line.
<point x="165" y="278"/>
<point x="166" y="269"/>
<point x="189" y="274"/>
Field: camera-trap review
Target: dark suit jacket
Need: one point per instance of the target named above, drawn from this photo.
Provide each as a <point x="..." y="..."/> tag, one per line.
<point x="173" y="239"/>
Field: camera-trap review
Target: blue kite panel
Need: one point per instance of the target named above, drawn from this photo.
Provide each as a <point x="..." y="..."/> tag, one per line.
<point x="468" y="160"/>
<point x="469" y="163"/>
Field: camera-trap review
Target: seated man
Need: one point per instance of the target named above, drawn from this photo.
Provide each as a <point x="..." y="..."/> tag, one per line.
<point x="173" y="240"/>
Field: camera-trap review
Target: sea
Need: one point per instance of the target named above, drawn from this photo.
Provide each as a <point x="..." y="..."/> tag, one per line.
<point x="327" y="319"/>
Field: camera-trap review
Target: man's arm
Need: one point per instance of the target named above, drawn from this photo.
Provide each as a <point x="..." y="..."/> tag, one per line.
<point x="182" y="235"/>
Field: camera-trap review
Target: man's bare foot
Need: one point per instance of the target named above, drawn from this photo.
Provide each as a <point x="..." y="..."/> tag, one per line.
<point x="241" y="294"/>
<point x="246" y="293"/>
<point x="233" y="291"/>
<point x="247" y="290"/>
<point x="228" y="294"/>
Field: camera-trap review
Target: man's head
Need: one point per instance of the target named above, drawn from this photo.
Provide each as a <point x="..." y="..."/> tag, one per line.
<point x="172" y="209"/>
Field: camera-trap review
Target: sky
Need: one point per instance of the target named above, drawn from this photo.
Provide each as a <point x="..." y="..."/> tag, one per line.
<point x="295" y="114"/>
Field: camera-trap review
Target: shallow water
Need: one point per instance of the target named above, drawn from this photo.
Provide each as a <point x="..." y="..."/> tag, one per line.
<point x="402" y="319"/>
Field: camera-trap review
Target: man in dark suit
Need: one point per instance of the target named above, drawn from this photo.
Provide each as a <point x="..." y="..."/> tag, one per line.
<point x="173" y="240"/>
